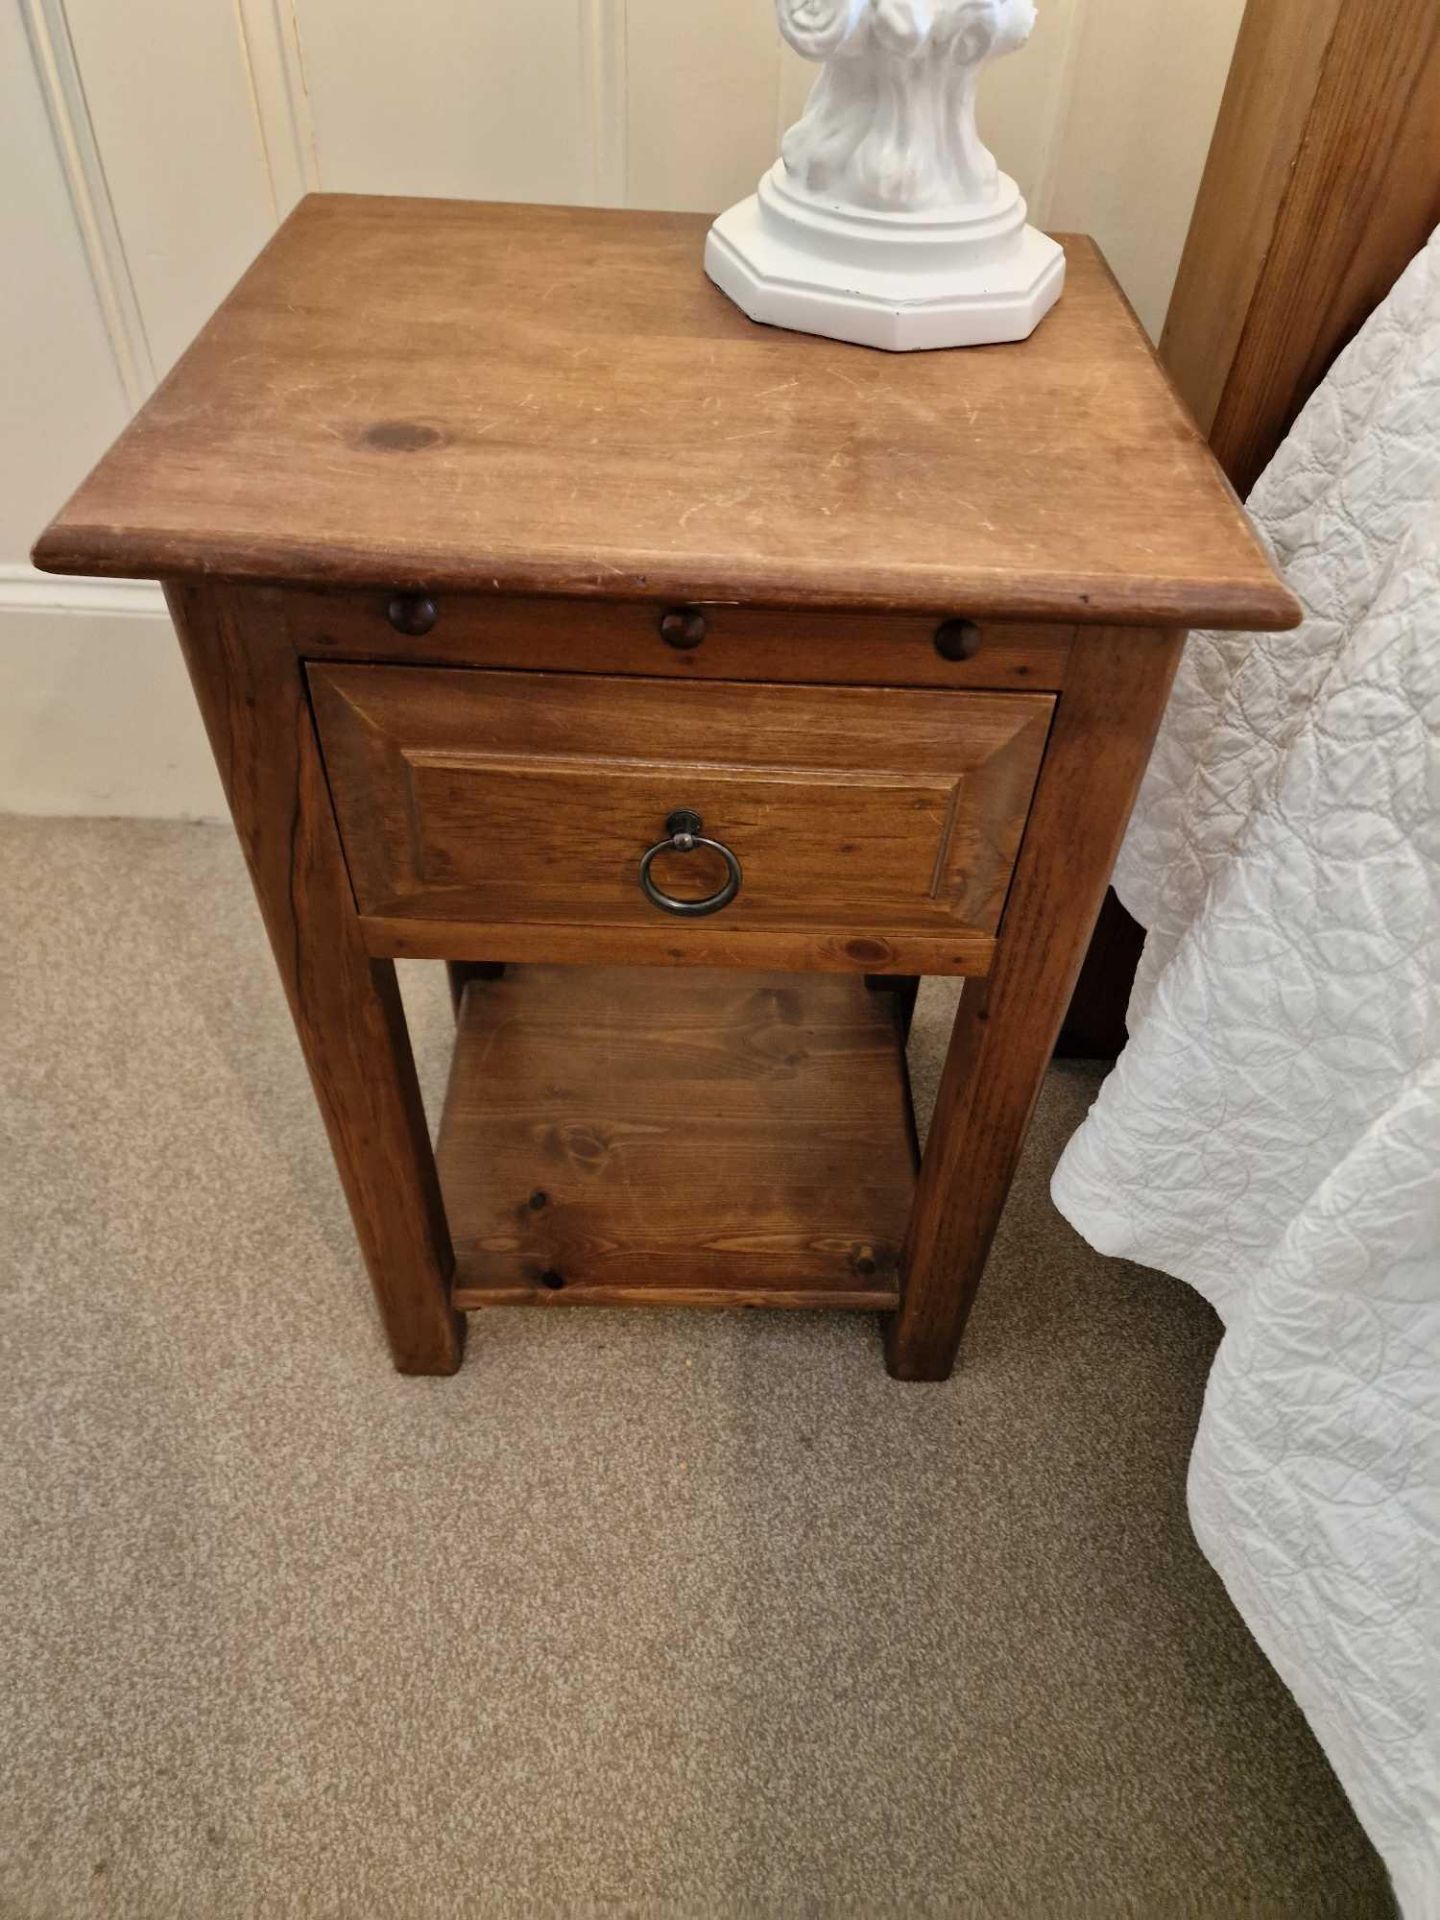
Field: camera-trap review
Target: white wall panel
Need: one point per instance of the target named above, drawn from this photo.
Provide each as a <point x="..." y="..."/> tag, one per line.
<point x="95" y="711"/>
<point x="97" y="716"/>
<point x="62" y="399"/>
<point x="605" y="82"/>
<point x="270" y="41"/>
<point x="704" y="81"/>
<point x="172" y="103"/>
<point x="1139" y="112"/>
<point x="463" y="98"/>
<point x="1022" y="101"/>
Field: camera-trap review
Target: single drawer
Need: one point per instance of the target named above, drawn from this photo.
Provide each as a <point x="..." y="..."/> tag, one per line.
<point x="532" y="799"/>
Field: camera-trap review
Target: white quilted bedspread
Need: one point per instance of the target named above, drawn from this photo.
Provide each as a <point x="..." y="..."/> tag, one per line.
<point x="1271" y="1134"/>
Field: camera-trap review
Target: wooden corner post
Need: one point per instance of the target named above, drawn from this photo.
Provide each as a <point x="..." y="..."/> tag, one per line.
<point x="346" y="1007"/>
<point x="1104" y="727"/>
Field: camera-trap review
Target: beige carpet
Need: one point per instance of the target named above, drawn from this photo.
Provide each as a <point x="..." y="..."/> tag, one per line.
<point x="653" y="1614"/>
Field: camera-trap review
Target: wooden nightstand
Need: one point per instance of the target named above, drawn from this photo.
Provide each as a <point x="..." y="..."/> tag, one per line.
<point x="512" y="565"/>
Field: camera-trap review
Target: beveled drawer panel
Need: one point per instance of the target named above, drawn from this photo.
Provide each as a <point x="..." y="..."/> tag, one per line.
<point x="719" y="643"/>
<point x="530" y="799"/>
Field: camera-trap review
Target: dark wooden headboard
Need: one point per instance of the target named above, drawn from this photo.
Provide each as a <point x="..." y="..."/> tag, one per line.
<point x="1323" y="182"/>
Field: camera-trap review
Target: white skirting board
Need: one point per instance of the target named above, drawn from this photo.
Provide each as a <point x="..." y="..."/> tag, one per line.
<point x="96" y="712"/>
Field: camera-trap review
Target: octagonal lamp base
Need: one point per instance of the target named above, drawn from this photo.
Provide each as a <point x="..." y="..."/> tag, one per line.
<point x="903" y="282"/>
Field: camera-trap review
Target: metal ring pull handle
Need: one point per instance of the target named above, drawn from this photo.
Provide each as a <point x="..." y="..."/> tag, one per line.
<point x="685" y="831"/>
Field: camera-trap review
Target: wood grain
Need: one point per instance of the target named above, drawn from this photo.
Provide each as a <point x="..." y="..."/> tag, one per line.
<point x="494" y="797"/>
<point x="800" y="644"/>
<point x="1007" y="1023"/>
<point x="674" y="943"/>
<point x="439" y="395"/>
<point x="346" y="1005"/>
<point x="646" y="1136"/>
<point x="1323" y="181"/>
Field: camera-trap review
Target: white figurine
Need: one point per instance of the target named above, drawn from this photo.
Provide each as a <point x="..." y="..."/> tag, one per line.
<point x="886" y="220"/>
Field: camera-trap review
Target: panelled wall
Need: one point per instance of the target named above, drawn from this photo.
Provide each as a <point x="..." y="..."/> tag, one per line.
<point x="148" y="150"/>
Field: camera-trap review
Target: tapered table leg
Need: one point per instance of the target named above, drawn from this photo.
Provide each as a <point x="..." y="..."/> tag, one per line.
<point x="346" y="1006"/>
<point x="1005" y="1031"/>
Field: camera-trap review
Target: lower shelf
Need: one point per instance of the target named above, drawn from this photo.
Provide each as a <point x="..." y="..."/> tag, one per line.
<point x="677" y="1136"/>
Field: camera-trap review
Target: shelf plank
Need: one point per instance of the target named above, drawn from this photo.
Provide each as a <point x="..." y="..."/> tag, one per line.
<point x="665" y="1136"/>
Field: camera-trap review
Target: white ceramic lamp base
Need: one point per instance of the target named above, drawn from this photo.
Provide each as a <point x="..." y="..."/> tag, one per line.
<point x="885" y="220"/>
<point x="899" y="281"/>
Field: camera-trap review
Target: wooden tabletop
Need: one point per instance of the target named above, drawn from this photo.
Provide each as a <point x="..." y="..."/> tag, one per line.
<point x="438" y="394"/>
